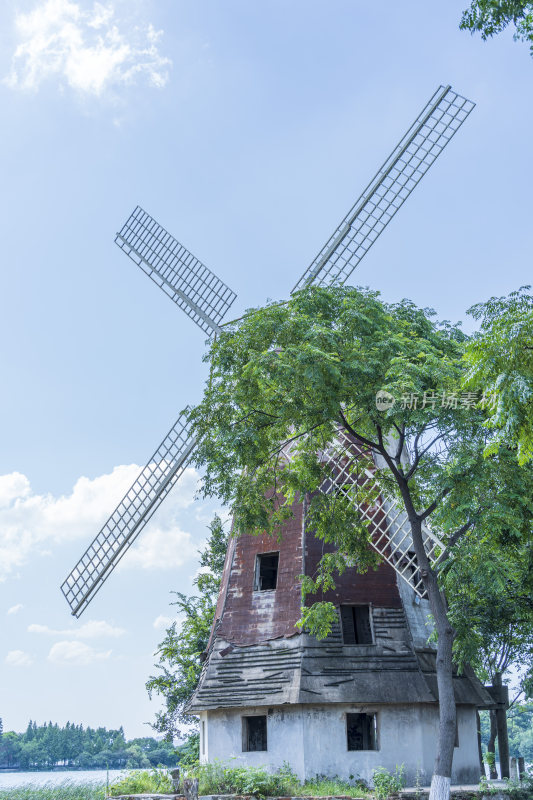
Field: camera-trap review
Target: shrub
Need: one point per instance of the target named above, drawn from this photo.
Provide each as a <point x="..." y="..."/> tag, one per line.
<point x="139" y="781"/>
<point x="219" y="778"/>
<point x="385" y="782"/>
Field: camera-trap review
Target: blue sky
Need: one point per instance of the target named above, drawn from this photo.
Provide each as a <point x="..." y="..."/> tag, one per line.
<point x="247" y="129"/>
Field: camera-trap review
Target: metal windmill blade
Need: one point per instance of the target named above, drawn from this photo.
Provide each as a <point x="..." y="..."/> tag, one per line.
<point x="204" y="298"/>
<point x="128" y="519"/>
<point x="425" y="140"/>
<point x="389" y="525"/>
<point x="192" y="286"/>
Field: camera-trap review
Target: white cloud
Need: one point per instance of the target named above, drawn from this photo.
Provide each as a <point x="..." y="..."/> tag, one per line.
<point x="93" y="629"/>
<point x="78" y="653"/>
<point x="18" y="658"/>
<point x="15" y="609"/>
<point x="161" y="548"/>
<point x="12" y="487"/>
<point x="161" y="622"/>
<point x="30" y="524"/>
<point x="87" y="49"/>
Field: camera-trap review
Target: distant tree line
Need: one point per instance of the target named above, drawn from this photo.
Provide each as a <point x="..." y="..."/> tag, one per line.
<point x="49" y="746"/>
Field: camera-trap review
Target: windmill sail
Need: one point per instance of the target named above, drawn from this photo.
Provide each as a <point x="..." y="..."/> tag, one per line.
<point x="130" y="516"/>
<point x="388" y="190"/>
<point x="389" y="525"/>
<point x="195" y="289"/>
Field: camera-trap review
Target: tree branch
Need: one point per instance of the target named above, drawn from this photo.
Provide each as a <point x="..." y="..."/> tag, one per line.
<point x="431" y="508"/>
<point x="454" y="538"/>
<point x="358" y="436"/>
<point x="294" y="438"/>
<point x="418" y="455"/>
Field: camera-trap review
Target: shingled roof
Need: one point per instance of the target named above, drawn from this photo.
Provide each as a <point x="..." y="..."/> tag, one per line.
<point x="303" y="670"/>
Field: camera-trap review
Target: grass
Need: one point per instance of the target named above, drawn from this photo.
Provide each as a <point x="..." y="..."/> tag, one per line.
<point x="56" y="791"/>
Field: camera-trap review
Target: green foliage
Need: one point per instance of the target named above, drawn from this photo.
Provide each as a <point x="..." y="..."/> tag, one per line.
<point x="219" y="778"/>
<point x="520" y="729"/>
<point x="511" y="789"/>
<point x="491" y="17"/>
<point x="54" y="791"/>
<point x="189" y="751"/>
<point x="322" y="786"/>
<point x="181" y="650"/>
<point x="319" y="617"/>
<point x="139" y="782"/>
<point x="73" y="746"/>
<point x="489" y="590"/>
<point x="385" y="782"/>
<point x="500" y="359"/>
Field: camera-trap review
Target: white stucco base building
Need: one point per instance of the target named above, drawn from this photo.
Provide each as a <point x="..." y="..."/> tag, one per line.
<point x="313" y="740"/>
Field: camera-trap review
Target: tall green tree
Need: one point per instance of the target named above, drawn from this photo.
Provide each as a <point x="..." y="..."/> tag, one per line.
<point x="287" y="378"/>
<point x="491" y="17"/>
<point x="500" y="358"/>
<point x="180" y="652"/>
<point x="491" y="609"/>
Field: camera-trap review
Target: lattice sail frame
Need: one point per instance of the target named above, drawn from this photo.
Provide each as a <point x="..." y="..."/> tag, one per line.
<point x="388" y="190"/>
<point x="391" y="532"/>
<point x="130" y="516"/>
<point x="183" y="277"/>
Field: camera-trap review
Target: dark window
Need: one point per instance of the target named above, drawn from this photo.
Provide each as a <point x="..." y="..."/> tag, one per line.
<point x="203" y="737"/>
<point x="254" y="733"/>
<point x="361" y="731"/>
<point x="356" y="628"/>
<point x="266" y="571"/>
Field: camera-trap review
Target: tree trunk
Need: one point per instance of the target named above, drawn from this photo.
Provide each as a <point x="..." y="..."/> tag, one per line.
<point x="501" y="728"/>
<point x="442" y="773"/>
<point x="491" y="747"/>
<point x="479" y="748"/>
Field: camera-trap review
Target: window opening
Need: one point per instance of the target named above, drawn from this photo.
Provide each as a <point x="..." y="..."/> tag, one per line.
<point x="266" y="571"/>
<point x="361" y="731"/>
<point x="203" y="737"/>
<point x="254" y="734"/>
<point x="356" y="626"/>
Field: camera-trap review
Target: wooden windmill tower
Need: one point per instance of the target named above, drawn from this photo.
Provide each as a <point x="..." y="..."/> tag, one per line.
<point x="266" y="690"/>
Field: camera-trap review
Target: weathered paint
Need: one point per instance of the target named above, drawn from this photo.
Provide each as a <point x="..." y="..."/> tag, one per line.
<point x="378" y="587"/>
<point x="245" y="616"/>
<point x="312" y="739"/>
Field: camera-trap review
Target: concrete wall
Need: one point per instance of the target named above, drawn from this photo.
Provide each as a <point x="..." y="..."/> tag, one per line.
<point x="313" y="740"/>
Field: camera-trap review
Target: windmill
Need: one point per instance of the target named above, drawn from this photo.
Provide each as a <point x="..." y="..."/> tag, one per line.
<point x="206" y="300"/>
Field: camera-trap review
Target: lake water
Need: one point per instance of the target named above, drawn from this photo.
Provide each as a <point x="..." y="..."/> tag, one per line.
<point x="97" y="776"/>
